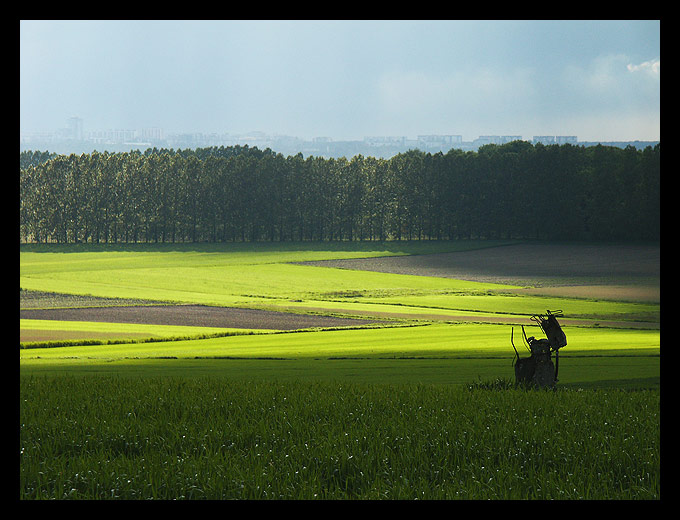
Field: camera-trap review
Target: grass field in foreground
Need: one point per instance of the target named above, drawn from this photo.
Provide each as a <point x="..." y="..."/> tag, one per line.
<point x="206" y="438"/>
<point x="640" y="372"/>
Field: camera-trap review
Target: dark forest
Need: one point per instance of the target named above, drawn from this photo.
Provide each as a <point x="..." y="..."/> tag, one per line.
<point x="224" y="194"/>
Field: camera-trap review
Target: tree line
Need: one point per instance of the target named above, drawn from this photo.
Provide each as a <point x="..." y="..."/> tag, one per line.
<point x="240" y="193"/>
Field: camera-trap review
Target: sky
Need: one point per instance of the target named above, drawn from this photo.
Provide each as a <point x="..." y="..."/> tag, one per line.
<point x="345" y="79"/>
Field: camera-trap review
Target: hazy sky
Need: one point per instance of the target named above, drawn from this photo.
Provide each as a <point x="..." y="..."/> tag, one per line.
<point x="598" y="80"/>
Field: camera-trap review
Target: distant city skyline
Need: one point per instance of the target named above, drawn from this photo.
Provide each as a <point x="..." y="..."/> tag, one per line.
<point x="345" y="79"/>
<point x="75" y="127"/>
<point x="75" y="138"/>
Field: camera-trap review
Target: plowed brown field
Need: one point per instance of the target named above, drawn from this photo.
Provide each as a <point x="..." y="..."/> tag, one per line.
<point x="193" y="315"/>
<point x="607" y="271"/>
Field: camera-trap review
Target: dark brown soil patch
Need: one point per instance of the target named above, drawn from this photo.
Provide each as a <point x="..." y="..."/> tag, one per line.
<point x="194" y="315"/>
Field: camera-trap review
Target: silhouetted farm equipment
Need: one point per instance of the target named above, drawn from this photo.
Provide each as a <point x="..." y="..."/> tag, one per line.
<point x="538" y="370"/>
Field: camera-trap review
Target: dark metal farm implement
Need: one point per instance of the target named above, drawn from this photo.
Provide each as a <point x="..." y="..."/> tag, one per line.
<point x="538" y="369"/>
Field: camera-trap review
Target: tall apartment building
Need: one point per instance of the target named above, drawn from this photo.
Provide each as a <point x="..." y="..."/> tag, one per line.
<point x="75" y="128"/>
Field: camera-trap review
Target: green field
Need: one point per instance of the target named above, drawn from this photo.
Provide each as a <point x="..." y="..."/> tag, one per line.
<point x="438" y="337"/>
<point x="205" y="438"/>
<point x="444" y="353"/>
<point x="253" y="274"/>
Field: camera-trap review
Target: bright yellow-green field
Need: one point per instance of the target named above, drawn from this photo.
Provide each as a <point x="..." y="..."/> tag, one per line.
<point x="473" y="340"/>
<point x="40" y="331"/>
<point x="217" y="278"/>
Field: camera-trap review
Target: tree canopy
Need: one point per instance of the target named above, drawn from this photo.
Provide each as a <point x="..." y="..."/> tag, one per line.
<point x="217" y="194"/>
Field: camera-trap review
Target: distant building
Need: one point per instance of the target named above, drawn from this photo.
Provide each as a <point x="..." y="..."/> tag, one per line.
<point x="555" y="139"/>
<point x="544" y="139"/>
<point x="496" y="139"/>
<point x="487" y="139"/>
<point x="440" y="140"/>
<point x="75" y="128"/>
<point x="112" y="136"/>
<point x="151" y="134"/>
<point x="384" y="140"/>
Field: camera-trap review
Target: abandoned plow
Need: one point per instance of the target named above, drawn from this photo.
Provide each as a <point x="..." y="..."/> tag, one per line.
<point x="538" y="370"/>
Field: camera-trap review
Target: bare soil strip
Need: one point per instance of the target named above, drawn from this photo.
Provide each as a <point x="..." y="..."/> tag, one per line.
<point x="514" y="320"/>
<point x="194" y="315"/>
<point x="640" y="294"/>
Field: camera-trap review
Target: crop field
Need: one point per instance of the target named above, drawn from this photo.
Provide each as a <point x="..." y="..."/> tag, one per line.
<point x="336" y="370"/>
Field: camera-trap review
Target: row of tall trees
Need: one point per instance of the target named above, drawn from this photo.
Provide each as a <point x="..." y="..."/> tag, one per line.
<point x="516" y="190"/>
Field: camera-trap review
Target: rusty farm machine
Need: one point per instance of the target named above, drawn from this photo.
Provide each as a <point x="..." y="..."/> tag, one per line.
<point x="538" y="369"/>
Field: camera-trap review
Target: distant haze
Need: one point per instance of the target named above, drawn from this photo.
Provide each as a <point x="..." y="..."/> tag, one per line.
<point x="598" y="80"/>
